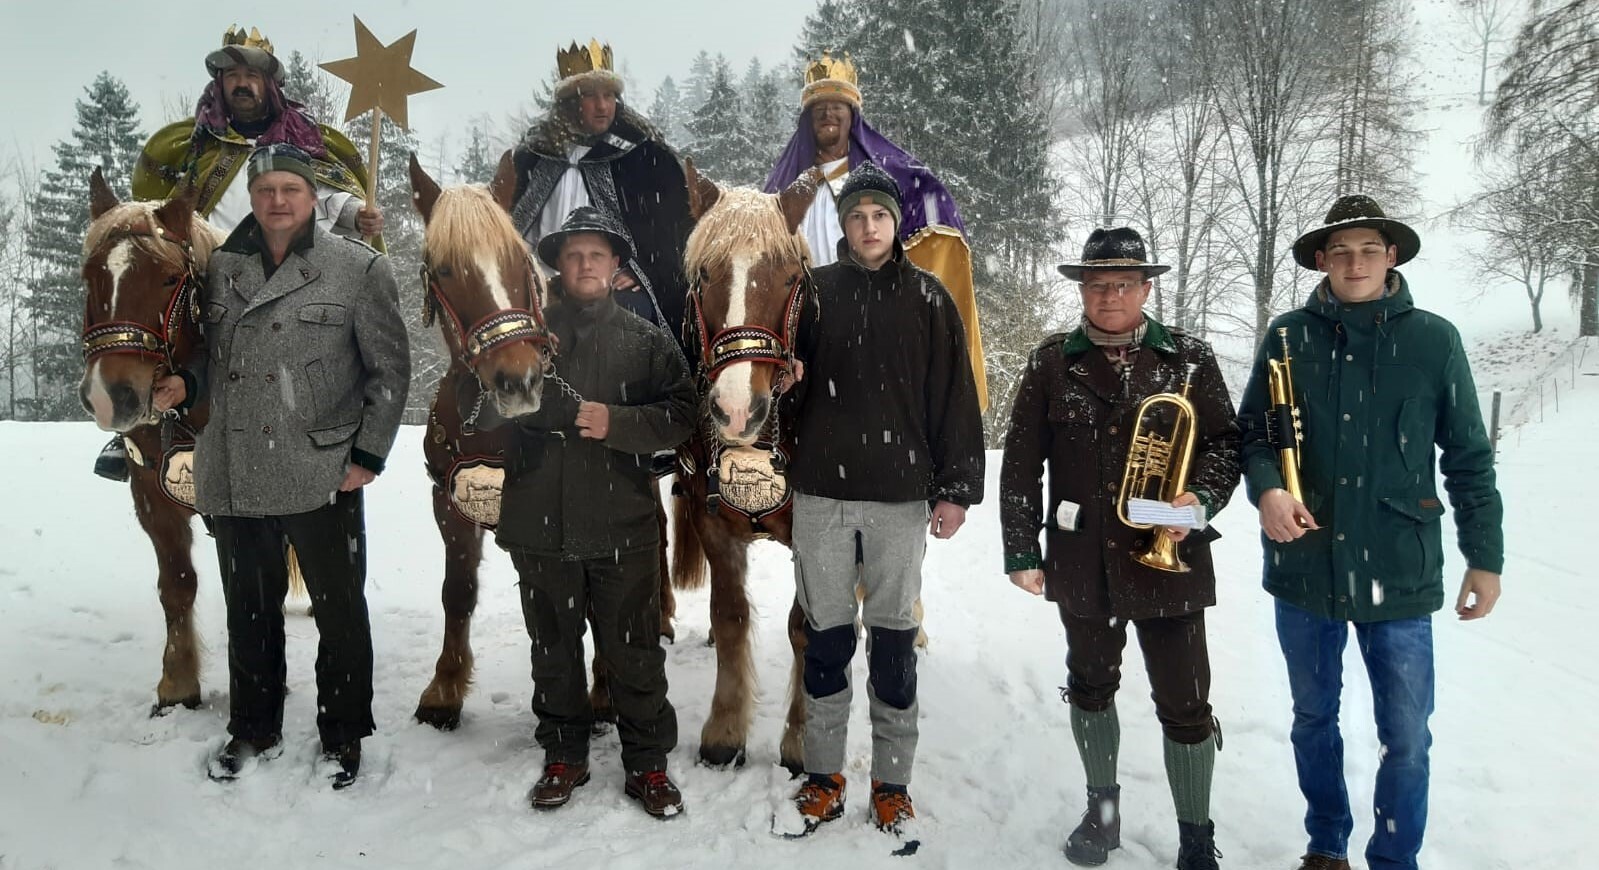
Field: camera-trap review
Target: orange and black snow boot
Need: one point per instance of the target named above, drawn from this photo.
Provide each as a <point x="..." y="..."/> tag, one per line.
<point x="891" y="806"/>
<point x="820" y="799"/>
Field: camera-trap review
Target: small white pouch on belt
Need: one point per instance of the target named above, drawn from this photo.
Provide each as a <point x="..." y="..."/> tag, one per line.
<point x="1066" y="515"/>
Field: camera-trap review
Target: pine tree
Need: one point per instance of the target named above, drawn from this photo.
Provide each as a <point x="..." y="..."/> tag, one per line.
<point x="478" y="164"/>
<point x="698" y="86"/>
<point x="722" y="147"/>
<point x="667" y="110"/>
<point x="768" y="118"/>
<point x="834" y="28"/>
<point x="107" y="136"/>
<point x="305" y="83"/>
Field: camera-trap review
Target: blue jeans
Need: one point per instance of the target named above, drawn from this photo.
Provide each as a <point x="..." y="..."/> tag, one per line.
<point x="1398" y="656"/>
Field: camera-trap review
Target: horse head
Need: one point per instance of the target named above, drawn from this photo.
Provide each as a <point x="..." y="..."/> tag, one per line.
<point x="143" y="265"/>
<point x="481" y="277"/>
<point x="748" y="269"/>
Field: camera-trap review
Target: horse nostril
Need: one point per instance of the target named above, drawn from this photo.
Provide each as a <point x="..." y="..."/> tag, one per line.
<point x="123" y="399"/>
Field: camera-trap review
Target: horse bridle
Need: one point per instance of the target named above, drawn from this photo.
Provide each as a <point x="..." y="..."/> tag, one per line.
<point x="132" y="337"/>
<point x="500" y="328"/>
<point x="745" y="343"/>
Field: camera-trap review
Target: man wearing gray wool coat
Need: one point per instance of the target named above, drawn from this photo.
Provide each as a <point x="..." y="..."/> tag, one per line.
<point x="306" y="369"/>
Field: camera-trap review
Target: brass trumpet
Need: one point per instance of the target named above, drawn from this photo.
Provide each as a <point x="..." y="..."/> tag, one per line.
<point x="1157" y="468"/>
<point x="1283" y="427"/>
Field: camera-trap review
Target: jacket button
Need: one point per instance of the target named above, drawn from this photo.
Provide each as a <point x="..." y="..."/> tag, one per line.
<point x="1110" y="487"/>
<point x="267" y="429"/>
<point x="1349" y="357"/>
<point x="1340" y="536"/>
<point x="1110" y="545"/>
<point x="233" y="376"/>
<point x="1343" y="481"/>
<point x="1346" y="418"/>
<point x="1112" y="430"/>
<point x="271" y="379"/>
<point x="276" y="327"/>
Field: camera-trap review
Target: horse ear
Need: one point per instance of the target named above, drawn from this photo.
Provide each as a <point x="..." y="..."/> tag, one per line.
<point x="796" y="199"/>
<point x="424" y="190"/>
<point x="101" y="199"/>
<point x="702" y="192"/>
<point x="503" y="187"/>
<point x="177" y="214"/>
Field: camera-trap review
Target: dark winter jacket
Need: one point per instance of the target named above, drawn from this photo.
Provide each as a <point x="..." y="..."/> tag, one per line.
<point x="577" y="498"/>
<point x="887" y="410"/>
<point x="1075" y="413"/>
<point x="1378" y="384"/>
<point x="631" y="174"/>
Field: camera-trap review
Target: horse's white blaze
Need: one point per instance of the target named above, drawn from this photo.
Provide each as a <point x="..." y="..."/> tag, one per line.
<point x="490" y="269"/>
<point x="733" y="388"/>
<point x="118" y="262"/>
<point x="100" y="398"/>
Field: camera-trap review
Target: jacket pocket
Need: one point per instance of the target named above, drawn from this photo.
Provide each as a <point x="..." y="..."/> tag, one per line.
<point x="1409" y="541"/>
<point x="1413" y="433"/>
<point x="211" y="318"/>
<point x="330" y="313"/>
<point x="332" y="436"/>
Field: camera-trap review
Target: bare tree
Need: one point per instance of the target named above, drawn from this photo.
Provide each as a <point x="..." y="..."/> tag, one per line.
<point x="1524" y="244"/>
<point x="1488" y="21"/>
<point x="1108" y="41"/>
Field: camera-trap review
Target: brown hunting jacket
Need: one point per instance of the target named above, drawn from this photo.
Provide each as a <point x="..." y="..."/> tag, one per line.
<point x="1075" y="413"/>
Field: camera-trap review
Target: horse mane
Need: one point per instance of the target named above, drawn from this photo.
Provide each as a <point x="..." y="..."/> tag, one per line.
<point x="743" y="221"/>
<point x="467" y="222"/>
<point x="136" y="221"/>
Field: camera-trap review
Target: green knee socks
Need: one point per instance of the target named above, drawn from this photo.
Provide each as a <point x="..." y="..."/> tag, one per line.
<point x="1189" y="768"/>
<point x="1098" y="736"/>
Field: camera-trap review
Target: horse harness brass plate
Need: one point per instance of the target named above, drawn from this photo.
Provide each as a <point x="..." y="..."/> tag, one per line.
<point x="749" y="482"/>
<point x="177" y="474"/>
<point x="475" y="485"/>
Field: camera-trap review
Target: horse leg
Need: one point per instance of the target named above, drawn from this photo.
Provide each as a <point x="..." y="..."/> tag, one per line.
<point x="723" y="739"/>
<point x="440" y="705"/>
<point x="792" y="753"/>
<point x="167" y="524"/>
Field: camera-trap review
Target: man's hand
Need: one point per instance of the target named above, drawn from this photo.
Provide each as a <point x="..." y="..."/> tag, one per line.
<point x="1031" y="580"/>
<point x="369" y="220"/>
<point x="593" y="420"/>
<point x="168" y="393"/>
<point x="624" y="280"/>
<point x="946" y="520"/>
<point x="355" y="477"/>
<point x="1177" y="533"/>
<point x="1283" y="518"/>
<point x="1484" y="585"/>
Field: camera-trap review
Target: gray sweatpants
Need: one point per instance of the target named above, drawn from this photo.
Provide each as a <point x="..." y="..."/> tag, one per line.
<point x="893" y="539"/>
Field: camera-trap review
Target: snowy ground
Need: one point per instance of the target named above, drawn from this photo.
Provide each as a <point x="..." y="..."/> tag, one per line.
<point x="86" y="780"/>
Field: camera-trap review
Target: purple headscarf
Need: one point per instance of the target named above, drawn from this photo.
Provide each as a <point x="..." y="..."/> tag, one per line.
<point x="291" y="123"/>
<point x="925" y="200"/>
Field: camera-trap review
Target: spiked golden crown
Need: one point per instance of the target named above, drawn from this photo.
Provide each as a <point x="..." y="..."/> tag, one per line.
<point x="831" y="79"/>
<point x="580" y="59"/>
<point x="253" y="39"/>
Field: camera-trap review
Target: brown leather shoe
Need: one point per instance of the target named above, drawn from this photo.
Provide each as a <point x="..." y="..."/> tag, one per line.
<point x="654" y="791"/>
<point x="1314" y="861"/>
<point x="554" y="788"/>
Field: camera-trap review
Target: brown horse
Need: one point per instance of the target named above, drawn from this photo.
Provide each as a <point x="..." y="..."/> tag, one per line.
<point x="749" y="273"/>
<point x="483" y="286"/>
<point x="142" y="265"/>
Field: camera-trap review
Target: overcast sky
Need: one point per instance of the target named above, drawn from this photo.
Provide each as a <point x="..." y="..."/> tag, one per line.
<point x="487" y="54"/>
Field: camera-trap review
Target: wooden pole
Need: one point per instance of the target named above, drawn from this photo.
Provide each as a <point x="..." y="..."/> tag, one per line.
<point x="372" y="158"/>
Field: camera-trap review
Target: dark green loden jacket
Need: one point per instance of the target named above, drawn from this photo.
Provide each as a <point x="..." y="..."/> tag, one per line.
<point x="1378" y="384"/>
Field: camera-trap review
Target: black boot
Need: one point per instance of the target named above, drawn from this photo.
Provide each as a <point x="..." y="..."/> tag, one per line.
<point x="1197" y="849"/>
<point x="112" y="463"/>
<point x="340" y="765"/>
<point x="1100" y="830"/>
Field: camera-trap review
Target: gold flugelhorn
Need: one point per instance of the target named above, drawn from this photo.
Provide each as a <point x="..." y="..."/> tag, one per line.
<point x="1157" y="468"/>
<point x="1283" y="427"/>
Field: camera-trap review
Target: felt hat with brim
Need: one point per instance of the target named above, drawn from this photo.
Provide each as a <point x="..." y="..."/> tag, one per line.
<point x="240" y="49"/>
<point x="1353" y="212"/>
<point x="1113" y="249"/>
<point x="584" y="219"/>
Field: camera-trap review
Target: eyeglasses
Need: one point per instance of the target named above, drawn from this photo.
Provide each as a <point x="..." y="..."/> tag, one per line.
<point x="1120" y="288"/>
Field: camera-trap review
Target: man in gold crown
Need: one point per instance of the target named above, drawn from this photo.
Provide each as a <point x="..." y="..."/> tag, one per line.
<point x="592" y="149"/>
<point x="832" y="137"/>
<point x="241" y="108"/>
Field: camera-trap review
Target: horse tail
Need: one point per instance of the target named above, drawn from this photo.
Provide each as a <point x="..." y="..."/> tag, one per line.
<point x="296" y="576"/>
<point x="688" y="555"/>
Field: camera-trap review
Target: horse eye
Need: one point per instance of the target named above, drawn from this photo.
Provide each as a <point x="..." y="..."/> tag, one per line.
<point x="444" y="272"/>
<point x="170" y="282"/>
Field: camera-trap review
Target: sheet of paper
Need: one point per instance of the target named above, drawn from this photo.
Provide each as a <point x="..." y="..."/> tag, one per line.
<point x="1159" y="513"/>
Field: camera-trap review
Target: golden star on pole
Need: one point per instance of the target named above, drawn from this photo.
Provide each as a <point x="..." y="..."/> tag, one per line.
<point x="380" y="76"/>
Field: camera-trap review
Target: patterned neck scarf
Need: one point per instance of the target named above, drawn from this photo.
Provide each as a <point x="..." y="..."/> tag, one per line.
<point x="1119" y="347"/>
<point x="289" y="120"/>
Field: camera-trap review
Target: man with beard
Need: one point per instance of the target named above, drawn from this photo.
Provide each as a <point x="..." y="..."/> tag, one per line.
<point x="241" y="108"/>
<point x="592" y="149"/>
<point x="831" y="139"/>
